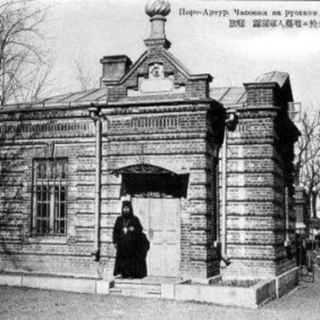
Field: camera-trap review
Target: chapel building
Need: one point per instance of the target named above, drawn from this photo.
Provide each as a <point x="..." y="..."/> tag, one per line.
<point x="208" y="170"/>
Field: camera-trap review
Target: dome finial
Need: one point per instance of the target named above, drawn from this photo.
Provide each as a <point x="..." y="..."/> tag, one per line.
<point x="157" y="7"/>
<point x="157" y="10"/>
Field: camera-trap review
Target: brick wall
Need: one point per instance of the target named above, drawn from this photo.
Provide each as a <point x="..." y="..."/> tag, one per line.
<point x="182" y="148"/>
<point x="257" y="174"/>
<point x="172" y="138"/>
<point x="181" y="137"/>
<point x="30" y="135"/>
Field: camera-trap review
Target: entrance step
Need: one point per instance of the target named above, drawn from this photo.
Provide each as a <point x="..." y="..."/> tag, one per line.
<point x="147" y="287"/>
<point x="138" y="288"/>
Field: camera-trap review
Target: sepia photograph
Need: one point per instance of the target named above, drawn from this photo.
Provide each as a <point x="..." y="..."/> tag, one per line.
<point x="159" y="159"/>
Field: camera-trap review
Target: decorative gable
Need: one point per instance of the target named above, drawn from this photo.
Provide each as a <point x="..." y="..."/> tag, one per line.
<point x="157" y="72"/>
<point x="156" y="82"/>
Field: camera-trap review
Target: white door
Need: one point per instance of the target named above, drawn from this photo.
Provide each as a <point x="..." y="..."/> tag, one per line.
<point x="160" y="218"/>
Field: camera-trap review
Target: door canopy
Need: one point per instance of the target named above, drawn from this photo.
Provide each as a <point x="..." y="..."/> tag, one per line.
<point x="147" y="180"/>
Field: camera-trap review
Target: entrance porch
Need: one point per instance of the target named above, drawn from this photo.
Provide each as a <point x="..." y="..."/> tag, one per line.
<point x="156" y="195"/>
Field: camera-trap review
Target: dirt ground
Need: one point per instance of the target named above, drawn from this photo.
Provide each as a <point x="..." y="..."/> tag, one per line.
<point x="21" y="304"/>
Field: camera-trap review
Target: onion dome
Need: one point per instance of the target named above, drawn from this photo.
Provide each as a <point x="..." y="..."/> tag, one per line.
<point x="157" y="7"/>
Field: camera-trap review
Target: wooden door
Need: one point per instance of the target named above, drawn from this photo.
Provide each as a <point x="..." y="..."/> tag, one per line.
<point x="160" y="218"/>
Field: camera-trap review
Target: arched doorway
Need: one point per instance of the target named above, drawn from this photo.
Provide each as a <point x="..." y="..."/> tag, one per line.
<point x="156" y="197"/>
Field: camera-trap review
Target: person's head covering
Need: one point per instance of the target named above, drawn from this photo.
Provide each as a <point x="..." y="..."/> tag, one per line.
<point x="129" y="205"/>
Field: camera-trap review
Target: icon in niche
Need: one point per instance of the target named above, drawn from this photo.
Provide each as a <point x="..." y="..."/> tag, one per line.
<point x="156" y="71"/>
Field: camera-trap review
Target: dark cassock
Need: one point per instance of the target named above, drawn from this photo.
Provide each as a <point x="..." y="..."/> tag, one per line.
<point x="131" y="245"/>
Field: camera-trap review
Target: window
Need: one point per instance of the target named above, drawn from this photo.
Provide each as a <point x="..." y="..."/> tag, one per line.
<point x="49" y="196"/>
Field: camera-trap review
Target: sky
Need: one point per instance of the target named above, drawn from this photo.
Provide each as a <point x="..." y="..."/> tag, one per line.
<point x="86" y="30"/>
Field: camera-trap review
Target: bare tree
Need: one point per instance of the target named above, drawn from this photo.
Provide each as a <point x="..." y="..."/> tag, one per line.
<point x="22" y="62"/>
<point x="308" y="157"/>
<point x="84" y="77"/>
<point x="40" y="85"/>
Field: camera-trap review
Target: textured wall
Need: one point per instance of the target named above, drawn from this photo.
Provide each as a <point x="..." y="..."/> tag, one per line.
<point x="172" y="138"/>
<point x="182" y="135"/>
<point x="258" y="172"/>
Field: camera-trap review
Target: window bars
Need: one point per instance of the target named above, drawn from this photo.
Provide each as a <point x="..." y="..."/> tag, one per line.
<point x="50" y="196"/>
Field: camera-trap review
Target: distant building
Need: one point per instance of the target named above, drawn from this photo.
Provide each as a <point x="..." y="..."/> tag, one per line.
<point x="152" y="131"/>
<point x="302" y="211"/>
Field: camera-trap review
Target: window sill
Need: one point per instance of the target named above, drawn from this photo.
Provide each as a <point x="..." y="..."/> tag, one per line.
<point x="50" y="239"/>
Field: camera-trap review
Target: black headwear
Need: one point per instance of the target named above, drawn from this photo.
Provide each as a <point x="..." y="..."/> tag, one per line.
<point x="129" y="205"/>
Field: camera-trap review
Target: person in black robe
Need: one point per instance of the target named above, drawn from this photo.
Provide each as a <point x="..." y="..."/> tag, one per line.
<point x="131" y="245"/>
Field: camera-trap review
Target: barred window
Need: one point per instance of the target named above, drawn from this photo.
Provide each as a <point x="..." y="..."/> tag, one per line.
<point x="50" y="196"/>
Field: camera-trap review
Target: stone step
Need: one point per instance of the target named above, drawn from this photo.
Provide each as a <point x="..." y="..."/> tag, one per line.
<point x="136" y="292"/>
<point x="136" y="288"/>
<point x="152" y="287"/>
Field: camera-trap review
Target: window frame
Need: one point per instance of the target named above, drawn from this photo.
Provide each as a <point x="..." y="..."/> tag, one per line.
<point x="52" y="183"/>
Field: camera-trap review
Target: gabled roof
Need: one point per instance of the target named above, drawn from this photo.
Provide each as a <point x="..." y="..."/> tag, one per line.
<point x="170" y="58"/>
<point x="224" y="95"/>
<point x="274" y="76"/>
<point x="92" y="95"/>
<point x="282" y="79"/>
<point x="71" y="99"/>
<point x="228" y="95"/>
